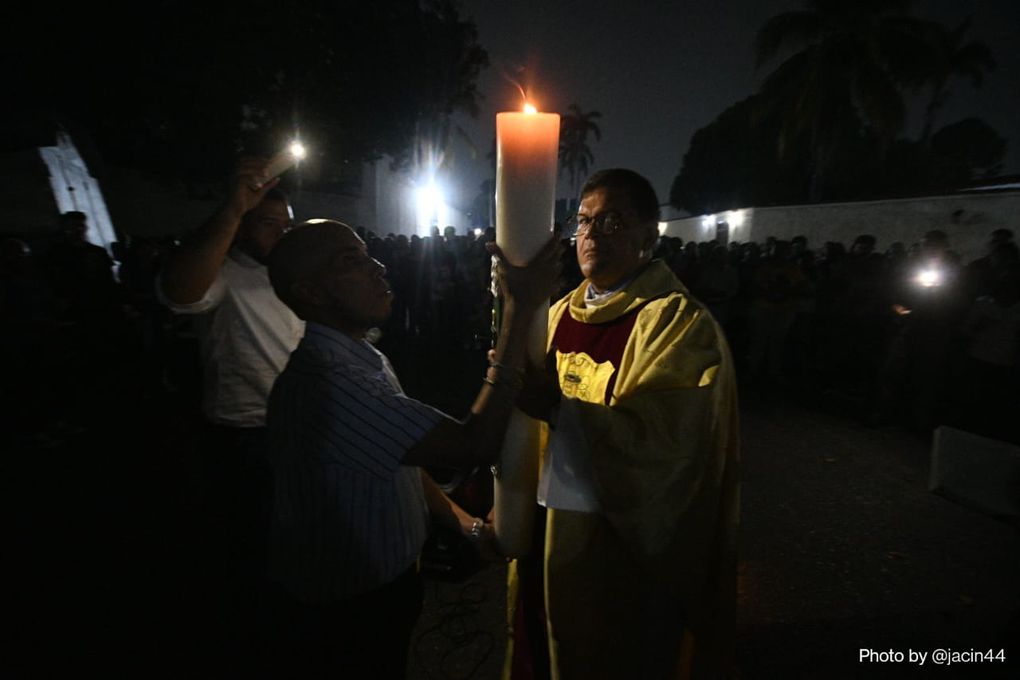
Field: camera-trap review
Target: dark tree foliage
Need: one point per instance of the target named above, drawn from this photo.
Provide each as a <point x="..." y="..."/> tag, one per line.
<point x="849" y="63"/>
<point x="179" y="87"/>
<point x="827" y="121"/>
<point x="970" y="146"/>
<point x="733" y="162"/>
<point x="575" y="155"/>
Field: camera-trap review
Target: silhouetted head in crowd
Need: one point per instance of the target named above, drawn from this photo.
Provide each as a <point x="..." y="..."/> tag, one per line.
<point x="751" y="252"/>
<point x="1001" y="236"/>
<point x="321" y="269"/>
<point x="863" y="245"/>
<point x="617" y="226"/>
<point x="833" y="251"/>
<point x="781" y="249"/>
<point x="718" y="256"/>
<point x="998" y="237"/>
<point x="15" y="256"/>
<point x="262" y="226"/>
<point x="1006" y="289"/>
<point x="1004" y="254"/>
<point x="74" y="226"/>
<point x="12" y="248"/>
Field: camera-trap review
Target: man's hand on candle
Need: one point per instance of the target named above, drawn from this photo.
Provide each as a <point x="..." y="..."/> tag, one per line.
<point x="540" y="393"/>
<point x="248" y="185"/>
<point x="483" y="537"/>
<point x="535" y="282"/>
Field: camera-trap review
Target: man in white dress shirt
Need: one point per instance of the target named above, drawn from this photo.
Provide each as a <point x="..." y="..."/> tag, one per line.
<point x="245" y="334"/>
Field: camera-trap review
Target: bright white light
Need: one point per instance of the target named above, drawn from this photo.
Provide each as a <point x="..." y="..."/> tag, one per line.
<point x="530" y="108"/>
<point x="432" y="210"/>
<point x="442" y="214"/>
<point x="662" y="228"/>
<point x="735" y="218"/>
<point x="478" y="232"/>
<point x="929" y="278"/>
<point x="708" y="221"/>
<point x="297" y="150"/>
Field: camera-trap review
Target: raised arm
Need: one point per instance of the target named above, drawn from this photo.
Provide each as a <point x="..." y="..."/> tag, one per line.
<point x="192" y="268"/>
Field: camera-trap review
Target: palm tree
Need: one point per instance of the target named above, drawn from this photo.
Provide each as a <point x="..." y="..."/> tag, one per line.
<point x="951" y="56"/>
<point x="576" y="156"/>
<point x="843" y="79"/>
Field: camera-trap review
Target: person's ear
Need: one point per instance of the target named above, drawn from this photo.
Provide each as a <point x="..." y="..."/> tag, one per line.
<point x="651" y="238"/>
<point x="307" y="293"/>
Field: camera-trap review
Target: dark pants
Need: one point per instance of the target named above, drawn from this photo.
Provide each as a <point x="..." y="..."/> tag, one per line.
<point x="232" y="532"/>
<point x="367" y="636"/>
<point x="239" y="496"/>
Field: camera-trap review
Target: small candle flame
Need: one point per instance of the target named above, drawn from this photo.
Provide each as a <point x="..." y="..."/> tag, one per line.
<point x="530" y="108"/>
<point x="297" y="150"/>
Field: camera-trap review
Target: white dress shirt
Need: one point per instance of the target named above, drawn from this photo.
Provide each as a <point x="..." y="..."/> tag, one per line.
<point x="246" y="335"/>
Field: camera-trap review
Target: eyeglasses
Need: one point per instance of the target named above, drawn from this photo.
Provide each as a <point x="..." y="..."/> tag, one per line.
<point x="606" y="224"/>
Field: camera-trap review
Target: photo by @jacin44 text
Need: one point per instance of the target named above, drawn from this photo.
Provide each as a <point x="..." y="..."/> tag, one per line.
<point x="937" y="657"/>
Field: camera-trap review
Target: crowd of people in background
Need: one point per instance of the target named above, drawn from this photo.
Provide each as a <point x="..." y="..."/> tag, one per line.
<point x="104" y="383"/>
<point x="912" y="336"/>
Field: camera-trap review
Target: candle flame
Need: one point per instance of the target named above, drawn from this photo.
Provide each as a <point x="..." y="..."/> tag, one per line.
<point x="530" y="108"/>
<point x="297" y="150"/>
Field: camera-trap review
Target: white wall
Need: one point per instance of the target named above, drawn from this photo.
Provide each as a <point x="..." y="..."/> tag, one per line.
<point x="968" y="219"/>
<point x="74" y="188"/>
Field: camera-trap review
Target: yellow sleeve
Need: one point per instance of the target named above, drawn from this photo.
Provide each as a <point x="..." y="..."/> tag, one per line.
<point x="661" y="454"/>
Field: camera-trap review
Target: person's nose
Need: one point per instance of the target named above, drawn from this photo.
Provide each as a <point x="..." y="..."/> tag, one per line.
<point x="380" y="266"/>
<point x="595" y="233"/>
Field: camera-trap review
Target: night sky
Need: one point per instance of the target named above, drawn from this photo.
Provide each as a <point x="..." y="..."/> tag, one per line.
<point x="660" y="70"/>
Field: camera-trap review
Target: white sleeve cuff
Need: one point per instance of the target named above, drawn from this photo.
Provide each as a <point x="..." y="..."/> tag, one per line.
<point x="213" y="296"/>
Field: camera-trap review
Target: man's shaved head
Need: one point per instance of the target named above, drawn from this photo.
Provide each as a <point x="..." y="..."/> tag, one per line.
<point x="321" y="269"/>
<point x="303" y="254"/>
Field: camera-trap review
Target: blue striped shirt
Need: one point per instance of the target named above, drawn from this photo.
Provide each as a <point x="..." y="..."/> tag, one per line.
<point x="348" y="517"/>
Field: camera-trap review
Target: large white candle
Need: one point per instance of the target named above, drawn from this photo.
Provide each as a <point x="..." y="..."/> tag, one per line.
<point x="527" y="146"/>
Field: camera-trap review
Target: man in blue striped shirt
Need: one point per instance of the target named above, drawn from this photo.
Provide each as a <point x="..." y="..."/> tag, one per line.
<point x="352" y="507"/>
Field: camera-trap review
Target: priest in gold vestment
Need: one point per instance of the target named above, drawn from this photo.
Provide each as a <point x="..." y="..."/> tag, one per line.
<point x="633" y="570"/>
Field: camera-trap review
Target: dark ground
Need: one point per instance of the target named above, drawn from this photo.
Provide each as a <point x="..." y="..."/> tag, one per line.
<point x="842" y="548"/>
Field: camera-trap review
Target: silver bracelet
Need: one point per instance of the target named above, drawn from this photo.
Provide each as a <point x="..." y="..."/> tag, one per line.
<point x="495" y="376"/>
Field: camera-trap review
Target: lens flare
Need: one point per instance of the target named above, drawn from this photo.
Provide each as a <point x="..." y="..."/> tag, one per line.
<point x="929" y="278"/>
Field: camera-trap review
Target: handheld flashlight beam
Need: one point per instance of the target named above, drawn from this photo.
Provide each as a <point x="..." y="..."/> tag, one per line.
<point x="929" y="278"/>
<point x="284" y="161"/>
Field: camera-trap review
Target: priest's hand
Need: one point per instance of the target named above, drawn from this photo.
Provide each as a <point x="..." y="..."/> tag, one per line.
<point x="540" y="393"/>
<point x="534" y="283"/>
